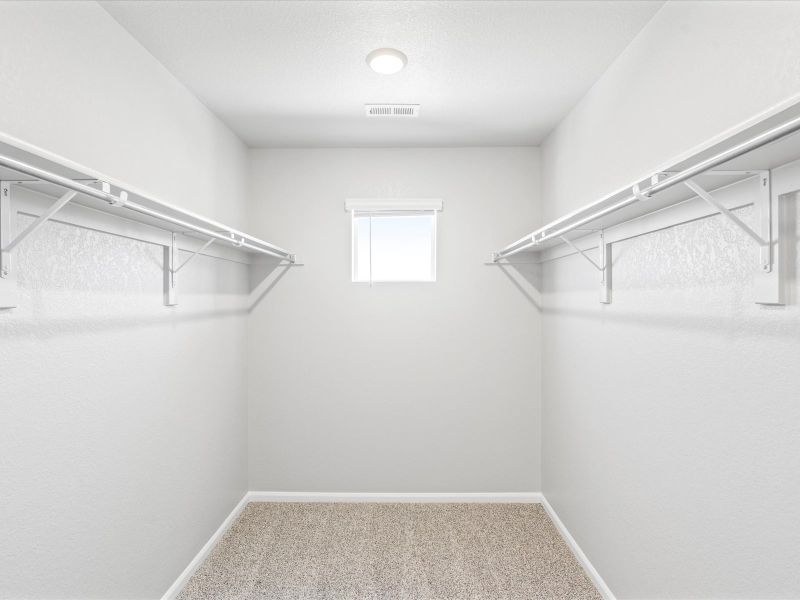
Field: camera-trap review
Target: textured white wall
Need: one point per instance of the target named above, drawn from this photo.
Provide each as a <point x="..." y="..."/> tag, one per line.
<point x="122" y="422"/>
<point x="395" y="387"/>
<point x="670" y="420"/>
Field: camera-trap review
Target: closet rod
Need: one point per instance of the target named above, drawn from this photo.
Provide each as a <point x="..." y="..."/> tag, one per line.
<point x="235" y="237"/>
<point x="556" y="228"/>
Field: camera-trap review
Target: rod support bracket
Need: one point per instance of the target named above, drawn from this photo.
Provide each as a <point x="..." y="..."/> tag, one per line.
<point x="643" y="196"/>
<point x="640" y="195"/>
<point x="122" y="200"/>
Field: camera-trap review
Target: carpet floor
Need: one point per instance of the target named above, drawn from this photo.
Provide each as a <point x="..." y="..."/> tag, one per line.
<point x="338" y="551"/>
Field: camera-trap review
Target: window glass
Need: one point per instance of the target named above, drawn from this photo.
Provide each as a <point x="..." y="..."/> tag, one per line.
<point x="394" y="248"/>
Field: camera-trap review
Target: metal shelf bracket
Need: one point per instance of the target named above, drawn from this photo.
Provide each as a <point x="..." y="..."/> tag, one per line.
<point x="170" y="272"/>
<point x="193" y="254"/>
<point x="760" y="239"/>
<point x="9" y="243"/>
<point x="8" y="284"/>
<point x="605" y="260"/>
<point x="769" y="281"/>
<point x="171" y="268"/>
<point x="604" y="264"/>
<point x="40" y="220"/>
<point x="597" y="266"/>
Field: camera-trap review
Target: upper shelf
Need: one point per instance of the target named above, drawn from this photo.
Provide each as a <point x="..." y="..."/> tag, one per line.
<point x="36" y="169"/>
<point x="770" y="143"/>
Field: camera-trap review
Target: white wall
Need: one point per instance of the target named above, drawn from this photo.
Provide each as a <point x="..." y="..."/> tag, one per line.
<point x="123" y="427"/>
<point x="74" y="82"/>
<point x="670" y="417"/>
<point x="395" y="387"/>
<point x="696" y="70"/>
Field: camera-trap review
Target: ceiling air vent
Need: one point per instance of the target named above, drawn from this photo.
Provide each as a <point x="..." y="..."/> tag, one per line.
<point x="383" y="111"/>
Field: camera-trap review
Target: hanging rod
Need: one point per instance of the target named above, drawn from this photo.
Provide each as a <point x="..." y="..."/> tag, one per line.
<point x="235" y="237"/>
<point x="587" y="214"/>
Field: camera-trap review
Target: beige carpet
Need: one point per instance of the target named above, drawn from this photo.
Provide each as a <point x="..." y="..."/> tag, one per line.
<point x="327" y="551"/>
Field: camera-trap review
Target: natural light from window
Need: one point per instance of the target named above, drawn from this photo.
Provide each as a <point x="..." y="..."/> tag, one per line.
<point x="394" y="247"/>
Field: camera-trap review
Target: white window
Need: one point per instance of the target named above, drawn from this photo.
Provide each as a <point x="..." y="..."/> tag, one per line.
<point x="394" y="240"/>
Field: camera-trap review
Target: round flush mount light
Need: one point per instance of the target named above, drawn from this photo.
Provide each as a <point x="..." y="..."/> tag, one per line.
<point x="386" y="61"/>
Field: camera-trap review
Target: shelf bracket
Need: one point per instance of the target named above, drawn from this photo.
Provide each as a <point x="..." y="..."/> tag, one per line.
<point x="171" y="268"/>
<point x="604" y="264"/>
<point x="597" y="266"/>
<point x="8" y="284"/>
<point x="8" y="287"/>
<point x="40" y="220"/>
<point x="760" y="239"/>
<point x="605" y="260"/>
<point x="170" y="263"/>
<point x="193" y="254"/>
<point x="769" y="284"/>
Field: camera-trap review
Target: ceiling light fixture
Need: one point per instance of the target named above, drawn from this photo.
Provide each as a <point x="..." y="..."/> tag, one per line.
<point x="386" y="61"/>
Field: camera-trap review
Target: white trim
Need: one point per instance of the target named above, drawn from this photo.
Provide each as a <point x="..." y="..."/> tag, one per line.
<point x="392" y="204"/>
<point x="598" y="581"/>
<point x="405" y="497"/>
<point x="195" y="563"/>
<point x="490" y="497"/>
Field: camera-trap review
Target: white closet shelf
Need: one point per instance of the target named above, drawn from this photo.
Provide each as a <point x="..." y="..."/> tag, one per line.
<point x="751" y="152"/>
<point x="38" y="170"/>
<point x="25" y="166"/>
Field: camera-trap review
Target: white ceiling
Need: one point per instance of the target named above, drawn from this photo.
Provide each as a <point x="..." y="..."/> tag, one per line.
<point x="294" y="73"/>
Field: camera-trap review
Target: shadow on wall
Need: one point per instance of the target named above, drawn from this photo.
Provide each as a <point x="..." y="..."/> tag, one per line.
<point x="265" y="275"/>
<point x="53" y="326"/>
<point x="525" y="274"/>
<point x="72" y="278"/>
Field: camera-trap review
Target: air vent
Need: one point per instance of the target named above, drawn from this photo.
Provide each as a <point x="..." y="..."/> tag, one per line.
<point x="383" y="111"/>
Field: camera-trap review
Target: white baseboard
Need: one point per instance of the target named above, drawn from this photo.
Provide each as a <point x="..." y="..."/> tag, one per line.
<point x="598" y="581"/>
<point x="489" y="497"/>
<point x="499" y="497"/>
<point x="187" y="573"/>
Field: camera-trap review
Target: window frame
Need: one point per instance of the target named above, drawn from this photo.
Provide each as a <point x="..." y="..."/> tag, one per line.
<point x="361" y="209"/>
